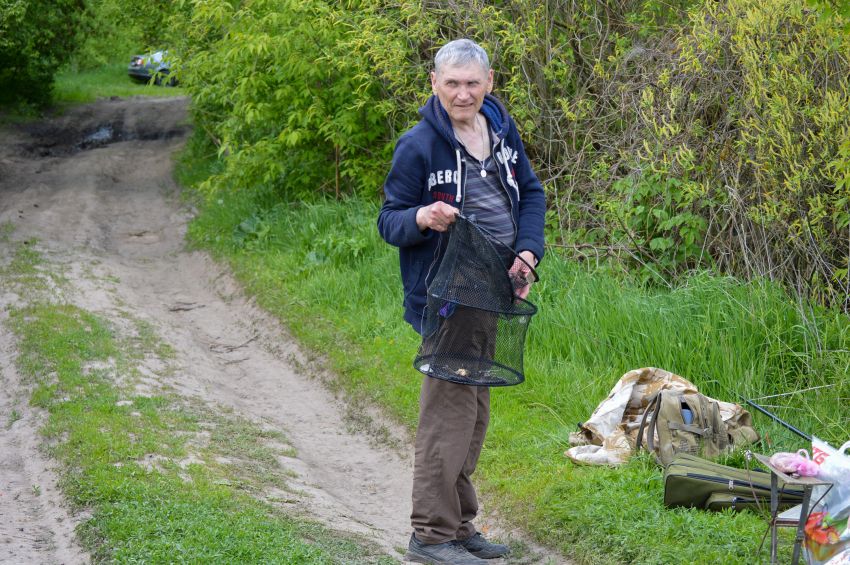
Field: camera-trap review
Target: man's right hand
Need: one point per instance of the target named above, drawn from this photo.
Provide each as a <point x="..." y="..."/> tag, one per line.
<point x="437" y="216"/>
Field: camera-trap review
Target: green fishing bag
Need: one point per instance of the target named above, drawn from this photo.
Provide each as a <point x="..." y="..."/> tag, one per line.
<point x="720" y="501"/>
<point x="682" y="423"/>
<point x="694" y="482"/>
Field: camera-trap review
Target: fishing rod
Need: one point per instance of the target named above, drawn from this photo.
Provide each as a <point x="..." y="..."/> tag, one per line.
<point x="767" y="413"/>
<point x="776" y="418"/>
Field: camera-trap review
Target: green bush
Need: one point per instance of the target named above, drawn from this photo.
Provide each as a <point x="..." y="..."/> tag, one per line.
<point x="36" y="38"/>
<point x="747" y="121"/>
<point x="271" y="86"/>
<point x="115" y="30"/>
<point x="309" y="97"/>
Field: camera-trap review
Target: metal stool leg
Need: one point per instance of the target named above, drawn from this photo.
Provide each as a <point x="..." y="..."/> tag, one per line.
<point x="774" y="510"/>
<point x="801" y="525"/>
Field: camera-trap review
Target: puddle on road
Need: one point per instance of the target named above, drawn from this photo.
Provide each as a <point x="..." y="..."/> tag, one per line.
<point x="57" y="142"/>
<point x="101" y="136"/>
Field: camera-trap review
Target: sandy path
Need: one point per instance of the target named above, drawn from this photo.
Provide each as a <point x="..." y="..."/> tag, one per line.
<point x="35" y="527"/>
<point x="107" y="211"/>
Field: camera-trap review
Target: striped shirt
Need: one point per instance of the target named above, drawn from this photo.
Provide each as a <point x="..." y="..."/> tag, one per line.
<point x="486" y="202"/>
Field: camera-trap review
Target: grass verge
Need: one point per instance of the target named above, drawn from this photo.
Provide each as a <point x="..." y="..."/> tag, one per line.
<point x="323" y="269"/>
<point x="165" y="479"/>
<point x="76" y="87"/>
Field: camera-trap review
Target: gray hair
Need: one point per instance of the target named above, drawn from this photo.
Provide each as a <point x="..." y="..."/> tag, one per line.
<point x="461" y="52"/>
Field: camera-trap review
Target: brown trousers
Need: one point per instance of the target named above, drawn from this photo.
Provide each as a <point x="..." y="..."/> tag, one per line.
<point x="453" y="421"/>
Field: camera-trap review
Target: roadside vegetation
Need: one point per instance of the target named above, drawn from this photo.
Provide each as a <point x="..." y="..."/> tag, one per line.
<point x="164" y="478"/>
<point x="37" y="37"/>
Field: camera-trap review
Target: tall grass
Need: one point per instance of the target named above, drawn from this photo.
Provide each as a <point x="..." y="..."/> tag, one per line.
<point x="323" y="268"/>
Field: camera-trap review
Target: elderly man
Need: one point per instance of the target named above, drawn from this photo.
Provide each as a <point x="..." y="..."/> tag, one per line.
<point x="464" y="155"/>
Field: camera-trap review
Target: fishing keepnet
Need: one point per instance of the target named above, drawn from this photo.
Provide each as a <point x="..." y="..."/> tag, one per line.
<point x="474" y="327"/>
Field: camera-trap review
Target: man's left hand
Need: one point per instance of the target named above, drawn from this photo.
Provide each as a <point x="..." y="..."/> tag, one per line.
<point x="521" y="274"/>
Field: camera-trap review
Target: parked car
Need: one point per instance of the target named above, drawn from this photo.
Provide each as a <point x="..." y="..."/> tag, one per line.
<point x="154" y="66"/>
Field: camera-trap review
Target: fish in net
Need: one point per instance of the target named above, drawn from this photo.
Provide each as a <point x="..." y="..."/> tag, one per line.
<point x="474" y="326"/>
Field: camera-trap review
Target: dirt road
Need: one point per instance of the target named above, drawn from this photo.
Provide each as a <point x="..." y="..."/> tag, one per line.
<point x="95" y="188"/>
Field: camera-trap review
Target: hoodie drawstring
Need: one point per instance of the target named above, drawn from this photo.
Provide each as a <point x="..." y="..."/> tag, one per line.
<point x="457" y="155"/>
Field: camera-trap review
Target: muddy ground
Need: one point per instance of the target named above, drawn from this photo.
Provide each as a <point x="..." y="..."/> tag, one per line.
<point x="95" y="187"/>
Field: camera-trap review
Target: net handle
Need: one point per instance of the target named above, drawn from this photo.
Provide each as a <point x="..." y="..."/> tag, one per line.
<point x="491" y="238"/>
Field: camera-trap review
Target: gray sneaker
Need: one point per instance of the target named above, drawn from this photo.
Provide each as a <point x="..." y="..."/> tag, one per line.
<point x="448" y="553"/>
<point x="480" y="547"/>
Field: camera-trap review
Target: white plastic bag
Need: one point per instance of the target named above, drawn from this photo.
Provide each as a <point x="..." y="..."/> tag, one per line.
<point x="835" y="469"/>
<point x="842" y="558"/>
<point x="820" y="450"/>
<point x="827" y="531"/>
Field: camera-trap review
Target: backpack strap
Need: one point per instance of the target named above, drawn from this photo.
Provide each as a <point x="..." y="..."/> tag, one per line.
<point x="652" y="405"/>
<point x="700" y="431"/>
<point x="653" y="426"/>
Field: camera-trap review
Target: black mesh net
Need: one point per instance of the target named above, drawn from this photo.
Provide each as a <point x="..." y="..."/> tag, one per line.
<point x="474" y="328"/>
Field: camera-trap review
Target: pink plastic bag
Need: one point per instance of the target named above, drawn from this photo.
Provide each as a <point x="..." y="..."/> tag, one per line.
<point x="795" y="463"/>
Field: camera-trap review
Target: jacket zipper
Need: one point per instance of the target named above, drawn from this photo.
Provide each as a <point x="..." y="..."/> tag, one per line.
<point x="463" y="167"/>
<point x="505" y="188"/>
<point x="458" y="196"/>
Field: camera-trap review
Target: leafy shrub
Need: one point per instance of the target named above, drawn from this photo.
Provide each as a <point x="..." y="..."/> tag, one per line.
<point x="36" y="38"/>
<point x="269" y="87"/>
<point x="751" y="113"/>
<point x="661" y="217"/>
<point x="309" y="97"/>
<point x="252" y="233"/>
<point x="115" y="30"/>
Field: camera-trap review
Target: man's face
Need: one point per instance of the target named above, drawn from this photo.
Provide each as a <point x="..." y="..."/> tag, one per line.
<point x="461" y="90"/>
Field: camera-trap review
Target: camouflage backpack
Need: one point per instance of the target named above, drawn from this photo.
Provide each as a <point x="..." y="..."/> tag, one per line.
<point x="682" y="423"/>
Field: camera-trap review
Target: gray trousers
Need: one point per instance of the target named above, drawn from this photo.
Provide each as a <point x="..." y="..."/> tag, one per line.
<point x="453" y="421"/>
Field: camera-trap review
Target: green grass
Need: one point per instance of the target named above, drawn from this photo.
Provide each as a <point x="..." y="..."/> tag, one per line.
<point x="165" y="479"/>
<point x="324" y="270"/>
<point x="24" y="269"/>
<point x="74" y="87"/>
<point x="14" y="416"/>
<point x="7" y="228"/>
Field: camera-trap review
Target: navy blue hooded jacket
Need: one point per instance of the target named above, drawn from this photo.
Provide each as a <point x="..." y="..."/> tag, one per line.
<point x="429" y="165"/>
